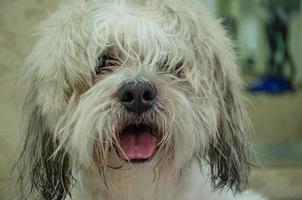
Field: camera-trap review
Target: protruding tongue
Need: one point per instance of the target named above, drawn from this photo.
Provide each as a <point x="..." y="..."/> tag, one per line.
<point x="137" y="143"/>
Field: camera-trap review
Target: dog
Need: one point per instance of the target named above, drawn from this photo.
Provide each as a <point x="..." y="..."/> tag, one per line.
<point x="134" y="100"/>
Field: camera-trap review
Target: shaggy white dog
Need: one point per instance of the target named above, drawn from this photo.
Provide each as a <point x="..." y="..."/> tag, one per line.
<point x="133" y="100"/>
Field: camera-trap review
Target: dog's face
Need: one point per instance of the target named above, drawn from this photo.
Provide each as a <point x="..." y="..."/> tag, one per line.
<point x="135" y="82"/>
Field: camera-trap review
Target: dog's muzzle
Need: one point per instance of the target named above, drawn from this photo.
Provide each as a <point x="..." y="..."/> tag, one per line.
<point x="137" y="142"/>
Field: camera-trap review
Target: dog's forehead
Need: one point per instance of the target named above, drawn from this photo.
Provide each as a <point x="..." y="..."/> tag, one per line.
<point x="124" y="18"/>
<point x="151" y="29"/>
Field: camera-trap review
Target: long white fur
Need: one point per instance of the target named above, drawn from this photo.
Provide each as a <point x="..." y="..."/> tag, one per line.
<point x="150" y="37"/>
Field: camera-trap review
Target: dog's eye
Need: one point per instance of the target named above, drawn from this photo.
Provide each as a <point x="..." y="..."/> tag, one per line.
<point x="107" y="63"/>
<point x="176" y="70"/>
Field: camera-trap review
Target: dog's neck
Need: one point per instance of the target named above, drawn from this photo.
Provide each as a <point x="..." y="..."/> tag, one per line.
<point x="139" y="182"/>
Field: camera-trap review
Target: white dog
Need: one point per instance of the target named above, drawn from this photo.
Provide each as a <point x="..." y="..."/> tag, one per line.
<point x="134" y="100"/>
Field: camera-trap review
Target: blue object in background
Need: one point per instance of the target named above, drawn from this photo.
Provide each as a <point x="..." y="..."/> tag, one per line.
<point x="271" y="84"/>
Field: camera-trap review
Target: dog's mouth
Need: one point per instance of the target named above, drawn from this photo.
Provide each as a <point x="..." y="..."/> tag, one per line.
<point x="138" y="143"/>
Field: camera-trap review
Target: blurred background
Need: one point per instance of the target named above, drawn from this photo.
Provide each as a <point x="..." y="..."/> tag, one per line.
<point x="268" y="40"/>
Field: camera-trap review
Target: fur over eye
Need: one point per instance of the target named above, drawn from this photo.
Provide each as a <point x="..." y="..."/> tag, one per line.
<point x="106" y="63"/>
<point x="175" y="69"/>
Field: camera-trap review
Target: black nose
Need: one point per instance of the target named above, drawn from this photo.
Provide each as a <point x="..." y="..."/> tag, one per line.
<point x="137" y="97"/>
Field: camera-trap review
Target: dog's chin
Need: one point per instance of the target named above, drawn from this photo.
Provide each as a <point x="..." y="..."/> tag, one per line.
<point x="138" y="143"/>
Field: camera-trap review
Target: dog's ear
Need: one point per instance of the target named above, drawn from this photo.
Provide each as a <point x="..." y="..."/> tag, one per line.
<point x="41" y="172"/>
<point x="50" y="76"/>
<point x="228" y="152"/>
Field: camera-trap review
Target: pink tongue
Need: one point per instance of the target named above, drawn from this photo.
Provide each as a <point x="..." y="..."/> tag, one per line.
<point x="137" y="144"/>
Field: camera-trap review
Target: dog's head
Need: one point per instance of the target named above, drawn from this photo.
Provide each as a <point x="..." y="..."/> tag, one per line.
<point x="114" y="82"/>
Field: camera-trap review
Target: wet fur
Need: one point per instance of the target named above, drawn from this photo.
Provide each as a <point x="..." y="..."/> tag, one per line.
<point x="72" y="115"/>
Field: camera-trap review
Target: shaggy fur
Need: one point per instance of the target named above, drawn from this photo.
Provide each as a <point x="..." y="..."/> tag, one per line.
<point x="87" y="50"/>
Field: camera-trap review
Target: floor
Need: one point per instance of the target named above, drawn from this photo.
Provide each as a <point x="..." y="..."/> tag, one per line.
<point x="278" y="145"/>
<point x="278" y="183"/>
<point x="277" y="119"/>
